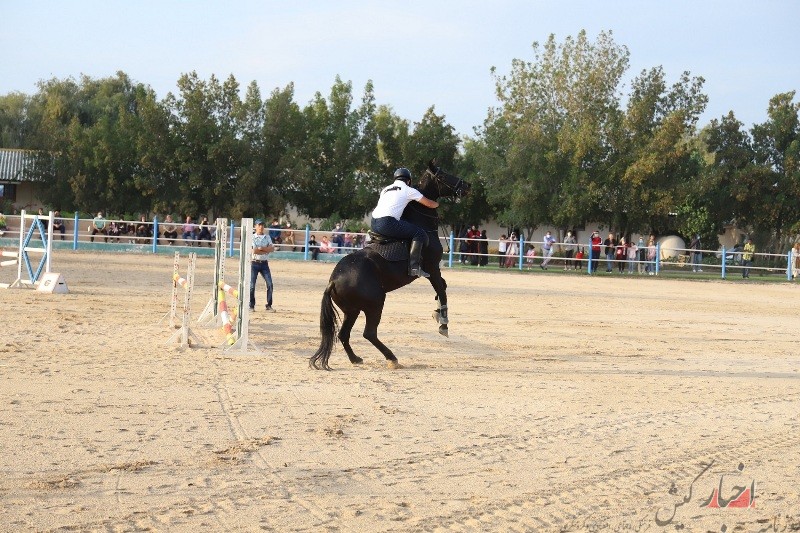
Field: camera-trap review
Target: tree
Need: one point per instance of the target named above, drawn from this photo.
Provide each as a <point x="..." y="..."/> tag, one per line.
<point x="209" y="150"/>
<point x="776" y="147"/>
<point x="86" y="139"/>
<point x="657" y="162"/>
<point x="337" y="168"/>
<point x="549" y="139"/>
<point x="16" y="120"/>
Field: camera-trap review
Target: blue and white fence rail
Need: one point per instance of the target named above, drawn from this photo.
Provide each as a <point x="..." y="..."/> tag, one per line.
<point x="137" y="237"/>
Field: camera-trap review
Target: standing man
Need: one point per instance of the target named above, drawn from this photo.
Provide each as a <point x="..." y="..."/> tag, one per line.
<point x="547" y="249"/>
<point x="747" y="258"/>
<point x="697" y="255"/>
<point x="262" y="247"/>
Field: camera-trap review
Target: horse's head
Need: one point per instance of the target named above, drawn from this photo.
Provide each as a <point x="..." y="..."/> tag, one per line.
<point x="436" y="183"/>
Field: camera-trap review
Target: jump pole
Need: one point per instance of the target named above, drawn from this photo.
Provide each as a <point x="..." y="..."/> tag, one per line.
<point x="210" y="315"/>
<point x="172" y="313"/>
<point x="243" y="344"/>
<point x="185" y="335"/>
<point x="24" y="248"/>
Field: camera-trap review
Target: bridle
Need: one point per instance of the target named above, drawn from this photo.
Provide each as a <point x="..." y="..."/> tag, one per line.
<point x="457" y="189"/>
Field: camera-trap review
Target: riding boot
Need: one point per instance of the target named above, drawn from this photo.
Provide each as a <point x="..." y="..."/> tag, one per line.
<point x="415" y="255"/>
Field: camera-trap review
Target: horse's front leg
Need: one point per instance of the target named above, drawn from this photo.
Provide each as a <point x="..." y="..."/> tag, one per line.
<point x="440" y="313"/>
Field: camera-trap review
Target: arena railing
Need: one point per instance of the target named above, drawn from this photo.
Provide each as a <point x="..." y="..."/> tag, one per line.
<point x="294" y="245"/>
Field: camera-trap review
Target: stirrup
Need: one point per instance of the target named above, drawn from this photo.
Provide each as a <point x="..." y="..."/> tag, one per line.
<point x="418" y="273"/>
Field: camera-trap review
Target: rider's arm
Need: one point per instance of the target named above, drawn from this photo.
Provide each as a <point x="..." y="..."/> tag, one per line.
<point x="427" y="202"/>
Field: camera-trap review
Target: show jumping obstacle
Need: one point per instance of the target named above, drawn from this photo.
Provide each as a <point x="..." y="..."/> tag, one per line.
<point x="22" y="254"/>
<point x="232" y="319"/>
<point x="237" y="341"/>
<point x="184" y="335"/>
<point x="210" y="315"/>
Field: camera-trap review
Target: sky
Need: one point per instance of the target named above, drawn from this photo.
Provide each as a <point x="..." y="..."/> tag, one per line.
<point x="418" y="54"/>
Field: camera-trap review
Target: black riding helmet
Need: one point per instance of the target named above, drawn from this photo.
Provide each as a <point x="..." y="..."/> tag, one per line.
<point x="403" y="174"/>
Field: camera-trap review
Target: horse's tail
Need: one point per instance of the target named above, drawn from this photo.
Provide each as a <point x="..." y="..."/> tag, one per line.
<point x="328" y="327"/>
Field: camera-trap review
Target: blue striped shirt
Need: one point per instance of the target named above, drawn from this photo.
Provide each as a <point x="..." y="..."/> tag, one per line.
<point x="261" y="241"/>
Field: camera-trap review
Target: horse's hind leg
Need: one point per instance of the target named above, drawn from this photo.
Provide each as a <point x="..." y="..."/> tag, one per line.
<point x="371" y="334"/>
<point x="344" y="336"/>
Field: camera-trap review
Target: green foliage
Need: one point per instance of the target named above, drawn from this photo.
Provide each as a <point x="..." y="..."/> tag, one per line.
<point x="559" y="149"/>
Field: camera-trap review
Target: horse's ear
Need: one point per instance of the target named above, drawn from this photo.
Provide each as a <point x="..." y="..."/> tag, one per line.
<point x="432" y="166"/>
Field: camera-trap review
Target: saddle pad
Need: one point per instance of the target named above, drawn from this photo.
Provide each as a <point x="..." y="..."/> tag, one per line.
<point x="393" y="251"/>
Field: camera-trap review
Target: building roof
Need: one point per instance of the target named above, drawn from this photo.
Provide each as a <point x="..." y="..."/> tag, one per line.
<point x="12" y="164"/>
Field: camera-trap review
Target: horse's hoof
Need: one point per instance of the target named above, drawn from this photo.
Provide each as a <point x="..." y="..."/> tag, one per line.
<point x="394" y="365"/>
<point x="443" y="330"/>
<point x="357" y="361"/>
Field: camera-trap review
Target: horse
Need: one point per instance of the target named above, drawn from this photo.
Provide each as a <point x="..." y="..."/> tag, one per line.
<point x="361" y="280"/>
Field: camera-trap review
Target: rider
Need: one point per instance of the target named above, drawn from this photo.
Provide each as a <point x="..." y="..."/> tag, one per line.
<point x="386" y="217"/>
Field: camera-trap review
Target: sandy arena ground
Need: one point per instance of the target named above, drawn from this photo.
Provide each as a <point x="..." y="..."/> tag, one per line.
<point x="559" y="403"/>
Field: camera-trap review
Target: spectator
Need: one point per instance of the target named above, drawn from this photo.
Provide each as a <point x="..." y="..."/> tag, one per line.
<point x="696" y="255"/>
<point x="548" y="249"/>
<point x="594" y="251"/>
<point x="795" y="256"/>
<point x="651" y="255"/>
<point x="113" y="230"/>
<point x="143" y="230"/>
<point x="472" y="244"/>
<point x="579" y="258"/>
<point x="259" y="264"/>
<point x="529" y="256"/>
<point x="502" y="244"/>
<point x="44" y="219"/>
<point x="632" y="253"/>
<point x="326" y="247"/>
<point x="3" y="224"/>
<point x="512" y="251"/>
<point x="313" y="248"/>
<point x="58" y="223"/>
<point x="610" y="246"/>
<point x="621" y="254"/>
<point x="287" y="237"/>
<point x="188" y="230"/>
<point x="483" y="249"/>
<point x="170" y="230"/>
<point x="463" y="247"/>
<point x="570" y="244"/>
<point x="275" y="231"/>
<point x="337" y="236"/>
<point x="205" y="232"/>
<point x="99" y="226"/>
<point x="747" y="258"/>
<point x="642" y="267"/>
<point x="347" y="243"/>
<point x="126" y="229"/>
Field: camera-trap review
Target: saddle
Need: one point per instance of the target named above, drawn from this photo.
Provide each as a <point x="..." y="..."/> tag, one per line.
<point x="390" y="248"/>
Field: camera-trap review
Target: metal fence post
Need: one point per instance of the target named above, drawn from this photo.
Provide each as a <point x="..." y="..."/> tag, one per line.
<point x="450" y="255"/>
<point x="230" y="235"/>
<point x="307" y="246"/>
<point x="155" y="234"/>
<point x="724" y="257"/>
<point x="75" y="231"/>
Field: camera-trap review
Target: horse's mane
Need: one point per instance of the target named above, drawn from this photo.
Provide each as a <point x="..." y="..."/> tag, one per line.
<point x="428" y="185"/>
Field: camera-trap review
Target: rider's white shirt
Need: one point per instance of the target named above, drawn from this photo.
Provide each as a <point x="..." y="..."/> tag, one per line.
<point x="394" y="200"/>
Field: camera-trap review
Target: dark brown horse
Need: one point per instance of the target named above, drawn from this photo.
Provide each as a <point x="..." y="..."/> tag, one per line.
<point x="360" y="281"/>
